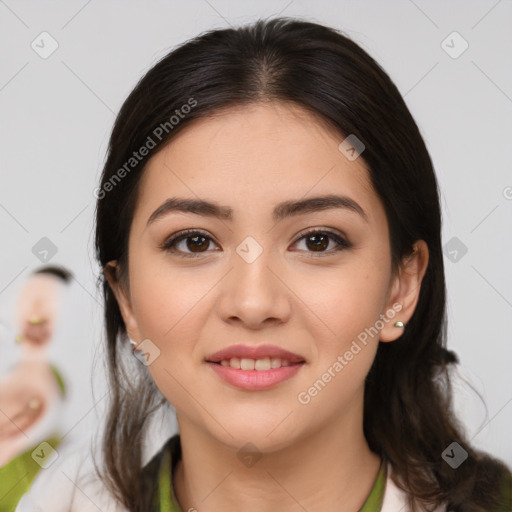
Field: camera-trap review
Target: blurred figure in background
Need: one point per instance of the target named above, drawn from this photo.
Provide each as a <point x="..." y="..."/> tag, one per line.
<point x="32" y="392"/>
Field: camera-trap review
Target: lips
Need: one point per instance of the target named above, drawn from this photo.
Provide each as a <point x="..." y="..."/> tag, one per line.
<point x="255" y="352"/>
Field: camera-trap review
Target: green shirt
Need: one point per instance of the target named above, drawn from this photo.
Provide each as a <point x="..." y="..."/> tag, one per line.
<point x="167" y="500"/>
<point x="17" y="475"/>
<point x="163" y="498"/>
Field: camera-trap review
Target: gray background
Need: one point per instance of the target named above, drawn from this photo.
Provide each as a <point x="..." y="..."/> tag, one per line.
<point x="57" y="112"/>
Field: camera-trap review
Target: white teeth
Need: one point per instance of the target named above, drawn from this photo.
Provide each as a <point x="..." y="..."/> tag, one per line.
<point x="247" y="364"/>
<point x="275" y="363"/>
<point x="264" y="364"/>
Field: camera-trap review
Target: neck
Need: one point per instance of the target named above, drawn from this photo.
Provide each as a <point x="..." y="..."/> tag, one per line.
<point x="30" y="352"/>
<point x="324" y="470"/>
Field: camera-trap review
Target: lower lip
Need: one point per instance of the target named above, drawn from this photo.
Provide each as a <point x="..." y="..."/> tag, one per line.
<point x="255" y="379"/>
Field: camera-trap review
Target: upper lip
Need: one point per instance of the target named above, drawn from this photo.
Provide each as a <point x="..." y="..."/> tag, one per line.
<point x="254" y="352"/>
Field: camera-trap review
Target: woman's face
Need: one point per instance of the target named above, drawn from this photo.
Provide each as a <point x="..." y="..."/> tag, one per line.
<point x="36" y="309"/>
<point x="257" y="278"/>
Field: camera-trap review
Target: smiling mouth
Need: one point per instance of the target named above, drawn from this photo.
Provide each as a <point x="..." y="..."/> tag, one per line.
<point x="263" y="364"/>
<point x="256" y="374"/>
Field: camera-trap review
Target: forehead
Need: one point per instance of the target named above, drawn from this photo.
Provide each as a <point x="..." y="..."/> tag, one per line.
<point x="40" y="284"/>
<point x="257" y="155"/>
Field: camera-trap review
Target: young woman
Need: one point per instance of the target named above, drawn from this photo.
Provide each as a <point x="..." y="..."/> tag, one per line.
<point x="269" y="233"/>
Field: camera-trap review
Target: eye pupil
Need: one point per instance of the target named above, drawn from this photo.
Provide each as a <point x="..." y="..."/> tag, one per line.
<point x="193" y="246"/>
<point x="318" y="244"/>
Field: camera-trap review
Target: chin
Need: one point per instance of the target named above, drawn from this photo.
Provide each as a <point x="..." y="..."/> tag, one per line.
<point x="263" y="435"/>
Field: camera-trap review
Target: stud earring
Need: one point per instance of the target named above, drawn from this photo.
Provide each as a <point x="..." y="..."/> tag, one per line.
<point x="399" y="324"/>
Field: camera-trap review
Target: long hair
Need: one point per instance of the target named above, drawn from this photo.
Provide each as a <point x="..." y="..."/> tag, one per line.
<point x="408" y="417"/>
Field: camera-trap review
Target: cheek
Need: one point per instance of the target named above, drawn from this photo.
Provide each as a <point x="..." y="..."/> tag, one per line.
<point x="171" y="306"/>
<point x="349" y="305"/>
<point x="166" y="300"/>
<point x="346" y="300"/>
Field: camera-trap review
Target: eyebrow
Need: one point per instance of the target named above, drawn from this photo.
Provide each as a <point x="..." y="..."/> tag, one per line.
<point x="281" y="211"/>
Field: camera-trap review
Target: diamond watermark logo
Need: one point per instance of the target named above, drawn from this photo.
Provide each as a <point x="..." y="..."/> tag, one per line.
<point x="146" y="352"/>
<point x="44" y="250"/>
<point x="454" y="249"/>
<point x="44" y="45"/>
<point x="454" y="45"/>
<point x="351" y="147"/>
<point x="249" y="455"/>
<point x="45" y="455"/>
<point x="249" y="250"/>
<point x="454" y="455"/>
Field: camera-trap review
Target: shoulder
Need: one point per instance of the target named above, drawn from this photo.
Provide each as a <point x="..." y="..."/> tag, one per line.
<point x="70" y="484"/>
<point x="396" y="499"/>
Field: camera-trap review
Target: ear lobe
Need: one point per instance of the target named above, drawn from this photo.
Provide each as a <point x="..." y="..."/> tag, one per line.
<point x="405" y="290"/>
<point x="111" y="272"/>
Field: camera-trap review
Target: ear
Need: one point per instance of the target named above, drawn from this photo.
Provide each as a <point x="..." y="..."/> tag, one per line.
<point x="122" y="294"/>
<point x="405" y="291"/>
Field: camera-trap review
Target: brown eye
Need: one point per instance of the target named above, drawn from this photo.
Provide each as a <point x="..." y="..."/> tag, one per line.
<point x="317" y="241"/>
<point x="195" y="243"/>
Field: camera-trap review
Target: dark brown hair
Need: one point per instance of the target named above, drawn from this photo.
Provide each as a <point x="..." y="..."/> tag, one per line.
<point x="61" y="272"/>
<point x="408" y="418"/>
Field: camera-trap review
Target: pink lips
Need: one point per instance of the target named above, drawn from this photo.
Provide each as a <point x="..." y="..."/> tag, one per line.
<point x="254" y="380"/>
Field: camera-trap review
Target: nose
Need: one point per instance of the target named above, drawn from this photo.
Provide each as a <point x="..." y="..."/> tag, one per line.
<point x="253" y="292"/>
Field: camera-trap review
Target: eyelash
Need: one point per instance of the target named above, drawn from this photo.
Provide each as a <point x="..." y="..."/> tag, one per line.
<point x="170" y="243"/>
